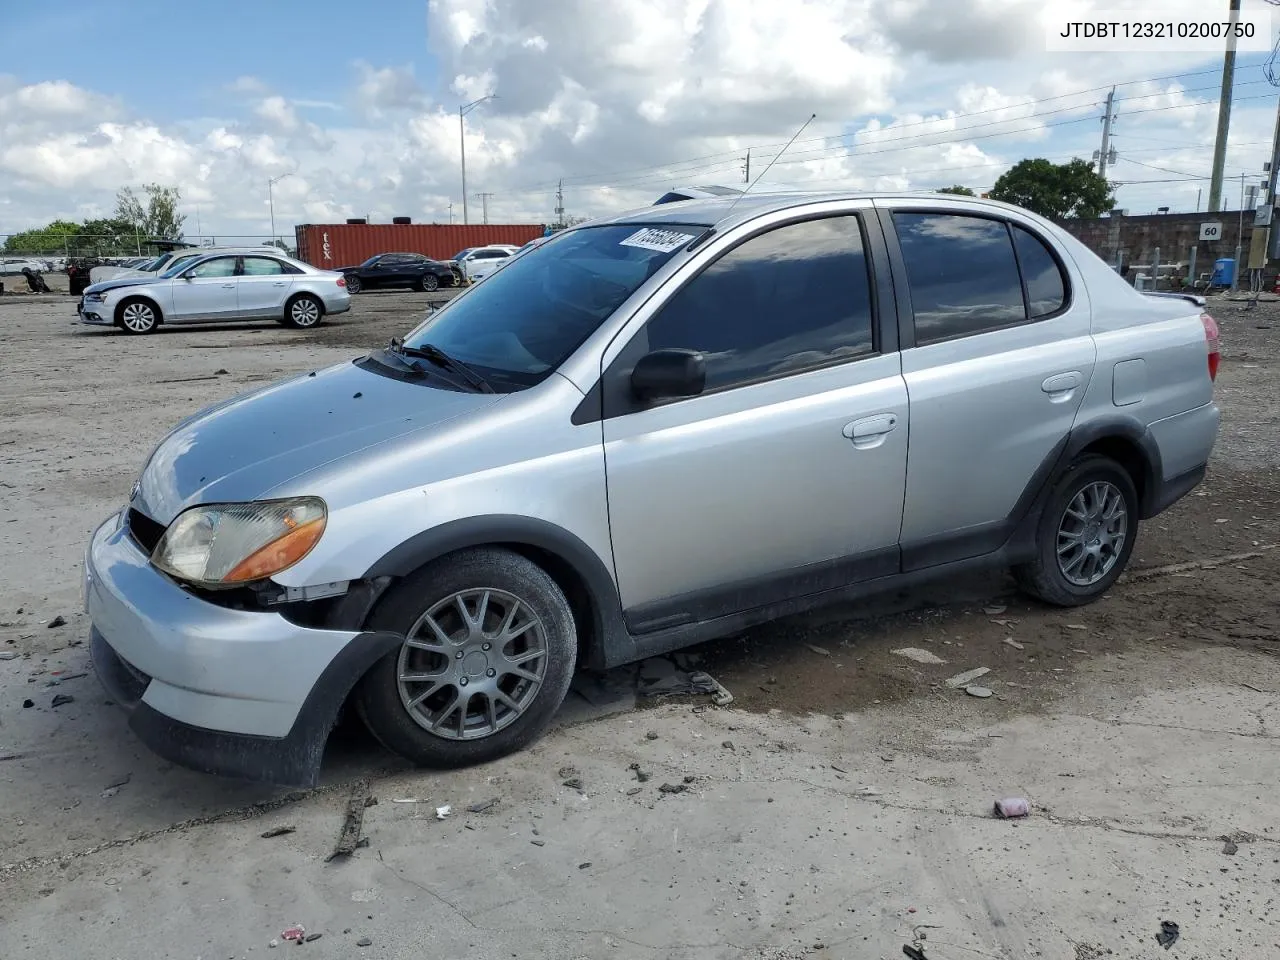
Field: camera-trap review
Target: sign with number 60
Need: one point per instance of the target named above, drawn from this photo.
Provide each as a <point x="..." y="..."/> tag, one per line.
<point x="1211" y="231"/>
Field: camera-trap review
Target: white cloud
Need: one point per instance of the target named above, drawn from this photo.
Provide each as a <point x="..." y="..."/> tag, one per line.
<point x="622" y="100"/>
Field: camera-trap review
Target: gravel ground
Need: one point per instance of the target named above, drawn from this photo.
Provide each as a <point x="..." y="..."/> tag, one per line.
<point x="843" y="799"/>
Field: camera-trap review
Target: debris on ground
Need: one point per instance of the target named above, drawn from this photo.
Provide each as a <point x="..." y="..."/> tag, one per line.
<point x="483" y="805"/>
<point x="651" y="735"/>
<point x="58" y="621"/>
<point x="673" y="788"/>
<point x="661" y="677"/>
<point x="353" y="821"/>
<point x="111" y="789"/>
<point x="981" y="692"/>
<point x="1168" y="934"/>
<point x="62" y="698"/>
<point x="641" y="775"/>
<point x="566" y="772"/>
<point x="1229" y="847"/>
<point x="1010" y="642"/>
<point x="364" y="942"/>
<point x="277" y="832"/>
<point x="28" y="704"/>
<point x="442" y="812"/>
<point x="728" y="745"/>
<point x="583" y="866"/>
<point x="919" y="656"/>
<point x="313" y="936"/>
<point x="868" y="792"/>
<point x="820" y="651"/>
<point x="1012" y="807"/>
<point x="1076" y="626"/>
<point x="538" y="843"/>
<point x="574" y="783"/>
<point x="8" y="655"/>
<point x="410" y="799"/>
<point x="995" y="609"/>
<point x="296" y="932"/>
<point x="961" y="680"/>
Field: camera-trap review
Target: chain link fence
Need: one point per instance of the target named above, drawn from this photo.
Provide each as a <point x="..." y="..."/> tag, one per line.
<point x="69" y="246"/>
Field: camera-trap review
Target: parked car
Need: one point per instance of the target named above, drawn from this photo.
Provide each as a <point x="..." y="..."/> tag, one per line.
<point x="154" y="266"/>
<point x="649" y="431"/>
<point x="218" y="287"/>
<point x="411" y="270"/>
<point x="476" y="263"/>
<point x="13" y="266"/>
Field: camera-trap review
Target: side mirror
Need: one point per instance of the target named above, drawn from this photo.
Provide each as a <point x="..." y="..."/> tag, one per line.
<point x="666" y="374"/>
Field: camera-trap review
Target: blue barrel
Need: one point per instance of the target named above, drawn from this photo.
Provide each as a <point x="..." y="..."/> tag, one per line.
<point x="1224" y="272"/>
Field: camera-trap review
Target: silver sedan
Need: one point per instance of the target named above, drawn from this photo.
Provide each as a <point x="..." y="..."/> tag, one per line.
<point x="219" y="288"/>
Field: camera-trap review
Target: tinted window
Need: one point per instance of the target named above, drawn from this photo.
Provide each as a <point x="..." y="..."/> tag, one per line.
<point x="218" y="267"/>
<point x="262" y="267"/>
<point x="525" y="319"/>
<point x="1046" y="291"/>
<point x="795" y="297"/>
<point x="963" y="276"/>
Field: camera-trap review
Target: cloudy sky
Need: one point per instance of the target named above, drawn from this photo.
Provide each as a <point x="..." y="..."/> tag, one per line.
<point x="358" y="104"/>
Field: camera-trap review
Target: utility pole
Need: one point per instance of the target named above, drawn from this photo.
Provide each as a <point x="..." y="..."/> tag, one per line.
<point x="560" y="203"/>
<point x="1224" y="113"/>
<point x="484" y="204"/>
<point x="271" y="202"/>
<point x="1106" y="154"/>
<point x="450" y="211"/>
<point x="1273" y="244"/>
<point x="463" y="110"/>
<point x="746" y="168"/>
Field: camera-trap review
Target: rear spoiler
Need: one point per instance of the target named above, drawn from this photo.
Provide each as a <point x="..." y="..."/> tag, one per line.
<point x="1191" y="297"/>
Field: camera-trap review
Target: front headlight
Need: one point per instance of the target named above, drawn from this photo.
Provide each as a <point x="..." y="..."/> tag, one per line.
<point x="227" y="544"/>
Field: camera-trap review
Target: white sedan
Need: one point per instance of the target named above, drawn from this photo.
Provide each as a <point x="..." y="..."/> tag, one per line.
<point x="219" y="287"/>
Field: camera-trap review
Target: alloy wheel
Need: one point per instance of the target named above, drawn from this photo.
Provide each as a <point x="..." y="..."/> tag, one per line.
<point x="304" y="312"/>
<point x="138" y="317"/>
<point x="1091" y="533"/>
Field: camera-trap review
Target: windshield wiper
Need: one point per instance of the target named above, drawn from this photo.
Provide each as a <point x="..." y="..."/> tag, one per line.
<point x="430" y="351"/>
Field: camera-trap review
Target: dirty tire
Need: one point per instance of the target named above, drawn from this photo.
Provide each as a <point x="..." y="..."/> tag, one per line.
<point x="353" y="283"/>
<point x="460" y="663"/>
<point x="303" y="312"/>
<point x="137" y="316"/>
<point x="1044" y="577"/>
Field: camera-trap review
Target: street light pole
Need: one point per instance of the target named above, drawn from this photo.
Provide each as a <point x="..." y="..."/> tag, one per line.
<point x="271" y="202"/>
<point x="463" y="110"/>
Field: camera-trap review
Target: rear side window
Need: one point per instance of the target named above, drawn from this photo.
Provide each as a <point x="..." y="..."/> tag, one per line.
<point x="962" y="273"/>
<point x="262" y="267"/>
<point x="1046" y="289"/>
<point x="794" y="298"/>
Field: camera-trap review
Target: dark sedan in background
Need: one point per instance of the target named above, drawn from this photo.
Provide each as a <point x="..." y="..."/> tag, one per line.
<point x="412" y="270"/>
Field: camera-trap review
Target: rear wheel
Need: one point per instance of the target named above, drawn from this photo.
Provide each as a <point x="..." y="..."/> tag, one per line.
<point x="303" y="312"/>
<point x="353" y="283"/>
<point x="1085" y="536"/>
<point x="137" y="316"/>
<point x="488" y="655"/>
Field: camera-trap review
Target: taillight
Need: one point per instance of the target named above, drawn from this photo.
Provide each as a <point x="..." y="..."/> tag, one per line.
<point x="1211" y="344"/>
<point x="342" y="281"/>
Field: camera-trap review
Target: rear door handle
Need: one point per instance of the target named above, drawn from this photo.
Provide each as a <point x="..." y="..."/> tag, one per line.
<point x="278" y="283"/>
<point x="228" y="286"/>
<point x="870" y="431"/>
<point x="1062" y="382"/>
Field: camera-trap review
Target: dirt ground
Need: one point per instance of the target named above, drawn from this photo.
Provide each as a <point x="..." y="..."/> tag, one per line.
<point x="841" y="801"/>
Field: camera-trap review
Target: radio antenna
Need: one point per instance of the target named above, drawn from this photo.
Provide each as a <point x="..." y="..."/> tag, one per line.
<point x="771" y="163"/>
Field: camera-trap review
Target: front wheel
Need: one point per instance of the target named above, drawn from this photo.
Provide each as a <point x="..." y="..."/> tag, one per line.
<point x="303" y="312"/>
<point x="1085" y="536"/>
<point x="488" y="654"/>
<point x="137" y="316"/>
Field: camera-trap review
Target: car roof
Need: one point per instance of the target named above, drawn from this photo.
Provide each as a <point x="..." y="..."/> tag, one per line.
<point x="723" y="212"/>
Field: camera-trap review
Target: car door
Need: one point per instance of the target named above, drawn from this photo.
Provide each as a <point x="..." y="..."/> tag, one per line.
<point x="785" y="476"/>
<point x="997" y="354"/>
<point x="262" y="287"/>
<point x="205" y="291"/>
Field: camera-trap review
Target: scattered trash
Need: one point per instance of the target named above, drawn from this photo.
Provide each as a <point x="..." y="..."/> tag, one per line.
<point x="58" y="621"/>
<point x="221" y="371"/>
<point x="277" y="832"/>
<point x="442" y="812"/>
<point x="353" y="821"/>
<point x="868" y="792"/>
<point x="8" y="655"/>
<point x="964" y="679"/>
<point x="919" y="656"/>
<point x="981" y="692"/>
<point x="838" y="769"/>
<point x="574" y="783"/>
<point x="630" y="793"/>
<point x="641" y="776"/>
<point x="62" y="698"/>
<point x="995" y="609"/>
<point x="483" y="805"/>
<point x="583" y="866"/>
<point x="28" y="704"/>
<point x="409" y="800"/>
<point x="1010" y="642"/>
<point x="673" y="788"/>
<point x="296" y="932"/>
<point x="111" y="789"/>
<point x="1076" y="626"/>
<point x="538" y="843"/>
<point x="651" y="735"/>
<point x="364" y="942"/>
<point x="313" y="936"/>
<point x="1012" y="807"/>
<point x="661" y="677"/>
<point x="1168" y="934"/>
<point x="915" y="953"/>
<point x="566" y="772"/>
<point x="1229" y="847"/>
<point x="728" y="745"/>
<point x="821" y="651"/>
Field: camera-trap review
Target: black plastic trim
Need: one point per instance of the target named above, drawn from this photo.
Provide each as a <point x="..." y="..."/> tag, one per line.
<point x="898" y="271"/>
<point x="1171" y="491"/>
<point x="1135" y="432"/>
<point x="291" y="760"/>
<point x="743" y="595"/>
<point x="611" y="643"/>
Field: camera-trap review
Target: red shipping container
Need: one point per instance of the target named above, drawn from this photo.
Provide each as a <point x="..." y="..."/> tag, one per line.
<point x="331" y="245"/>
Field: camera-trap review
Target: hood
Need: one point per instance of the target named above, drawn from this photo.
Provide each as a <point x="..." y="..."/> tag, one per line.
<point x="246" y="446"/>
<point x="116" y="282"/>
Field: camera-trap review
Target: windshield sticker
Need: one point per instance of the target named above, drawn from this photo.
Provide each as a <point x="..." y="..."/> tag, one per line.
<point x="650" y="238"/>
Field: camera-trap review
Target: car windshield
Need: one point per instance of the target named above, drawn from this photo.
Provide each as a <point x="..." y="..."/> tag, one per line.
<point x="150" y="266"/>
<point x="372" y="260"/>
<point x="524" y="321"/>
<point x="461" y="253"/>
<point x="177" y="264"/>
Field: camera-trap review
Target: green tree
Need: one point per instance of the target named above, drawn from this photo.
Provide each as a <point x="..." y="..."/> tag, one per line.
<point x="108" y="237"/>
<point x="155" y="213"/>
<point x="1055" y="190"/>
<point x="957" y="190"/>
<point x="54" y="239"/>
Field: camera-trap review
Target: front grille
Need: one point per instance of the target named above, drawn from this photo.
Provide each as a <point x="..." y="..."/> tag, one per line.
<point x="146" y="532"/>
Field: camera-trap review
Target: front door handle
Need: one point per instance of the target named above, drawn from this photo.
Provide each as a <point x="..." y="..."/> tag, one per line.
<point x="1062" y="382"/>
<point x="278" y="283"/>
<point x="228" y="286"/>
<point x="870" y="431"/>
